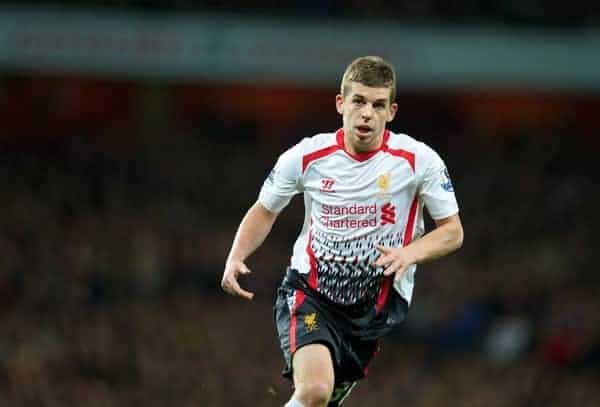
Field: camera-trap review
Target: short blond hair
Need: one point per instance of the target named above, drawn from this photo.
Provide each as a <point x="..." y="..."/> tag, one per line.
<point x="372" y="71"/>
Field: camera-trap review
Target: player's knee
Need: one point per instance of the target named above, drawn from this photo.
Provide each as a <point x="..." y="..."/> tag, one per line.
<point x="314" y="392"/>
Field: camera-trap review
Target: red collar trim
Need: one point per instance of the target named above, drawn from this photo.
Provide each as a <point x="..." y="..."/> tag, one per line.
<point x="362" y="156"/>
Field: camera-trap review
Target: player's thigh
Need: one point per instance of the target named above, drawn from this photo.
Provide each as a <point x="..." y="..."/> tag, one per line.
<point x="313" y="364"/>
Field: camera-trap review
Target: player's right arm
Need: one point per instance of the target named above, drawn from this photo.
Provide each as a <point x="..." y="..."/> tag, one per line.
<point x="282" y="183"/>
<point x="251" y="233"/>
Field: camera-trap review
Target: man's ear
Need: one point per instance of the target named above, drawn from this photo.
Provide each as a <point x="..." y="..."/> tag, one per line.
<point x="339" y="104"/>
<point x="393" y="110"/>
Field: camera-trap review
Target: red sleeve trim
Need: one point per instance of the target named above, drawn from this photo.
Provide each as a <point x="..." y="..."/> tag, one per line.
<point x="407" y="155"/>
<point x="315" y="155"/>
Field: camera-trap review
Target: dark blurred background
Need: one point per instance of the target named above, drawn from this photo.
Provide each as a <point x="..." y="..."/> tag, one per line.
<point x="135" y="134"/>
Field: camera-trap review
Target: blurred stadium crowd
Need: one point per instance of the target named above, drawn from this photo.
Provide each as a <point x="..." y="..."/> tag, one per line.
<point x="120" y="200"/>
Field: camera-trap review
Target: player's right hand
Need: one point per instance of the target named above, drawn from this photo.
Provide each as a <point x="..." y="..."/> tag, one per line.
<point x="229" y="283"/>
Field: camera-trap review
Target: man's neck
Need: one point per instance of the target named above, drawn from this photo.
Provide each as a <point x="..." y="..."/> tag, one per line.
<point x="356" y="150"/>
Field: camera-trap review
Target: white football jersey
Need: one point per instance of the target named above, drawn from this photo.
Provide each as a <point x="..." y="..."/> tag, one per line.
<point x="354" y="203"/>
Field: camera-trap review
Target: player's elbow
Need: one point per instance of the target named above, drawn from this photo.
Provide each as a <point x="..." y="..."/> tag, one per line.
<point x="453" y="232"/>
<point x="458" y="236"/>
<point x="265" y="213"/>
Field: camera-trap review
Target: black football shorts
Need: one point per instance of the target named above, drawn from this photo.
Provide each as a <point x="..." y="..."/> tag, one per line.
<point x="303" y="316"/>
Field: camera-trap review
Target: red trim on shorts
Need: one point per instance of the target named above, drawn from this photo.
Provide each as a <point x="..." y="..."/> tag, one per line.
<point x="383" y="294"/>
<point x="375" y="352"/>
<point x="408" y="235"/>
<point x="300" y="295"/>
<point x="297" y="303"/>
<point x="339" y="135"/>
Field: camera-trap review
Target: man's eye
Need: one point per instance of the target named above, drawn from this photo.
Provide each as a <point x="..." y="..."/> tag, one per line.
<point x="358" y="101"/>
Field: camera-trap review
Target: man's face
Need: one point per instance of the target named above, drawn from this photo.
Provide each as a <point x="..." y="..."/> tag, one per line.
<point x="365" y="111"/>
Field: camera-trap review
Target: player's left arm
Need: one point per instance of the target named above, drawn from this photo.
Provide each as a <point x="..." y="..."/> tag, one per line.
<point x="437" y="193"/>
<point x="444" y="239"/>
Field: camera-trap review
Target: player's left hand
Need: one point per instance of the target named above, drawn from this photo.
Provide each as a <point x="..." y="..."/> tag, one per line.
<point x="395" y="261"/>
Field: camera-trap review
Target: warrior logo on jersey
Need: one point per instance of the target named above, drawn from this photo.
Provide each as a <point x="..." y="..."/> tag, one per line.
<point x="446" y="182"/>
<point x="383" y="183"/>
<point x="327" y="185"/>
<point x="310" y="322"/>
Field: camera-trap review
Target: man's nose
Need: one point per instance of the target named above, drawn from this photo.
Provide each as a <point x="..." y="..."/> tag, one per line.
<point x="367" y="111"/>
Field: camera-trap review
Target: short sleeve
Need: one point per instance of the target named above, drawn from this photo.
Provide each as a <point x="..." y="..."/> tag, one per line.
<point x="436" y="190"/>
<point x="283" y="181"/>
